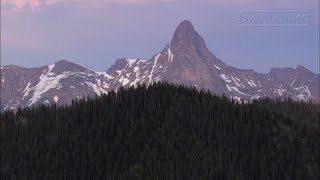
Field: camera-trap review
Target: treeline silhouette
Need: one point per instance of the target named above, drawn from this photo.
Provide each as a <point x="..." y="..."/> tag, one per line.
<point x="162" y="131"/>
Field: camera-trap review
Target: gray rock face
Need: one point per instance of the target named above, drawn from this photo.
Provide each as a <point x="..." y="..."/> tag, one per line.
<point x="185" y="60"/>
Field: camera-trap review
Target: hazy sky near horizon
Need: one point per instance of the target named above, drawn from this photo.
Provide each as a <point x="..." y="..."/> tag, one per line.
<point x="94" y="33"/>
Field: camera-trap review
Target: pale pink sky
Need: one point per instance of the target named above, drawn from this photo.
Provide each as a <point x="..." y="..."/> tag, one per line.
<point x="94" y="33"/>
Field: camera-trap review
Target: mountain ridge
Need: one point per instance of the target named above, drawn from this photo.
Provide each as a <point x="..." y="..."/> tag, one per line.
<point x="185" y="60"/>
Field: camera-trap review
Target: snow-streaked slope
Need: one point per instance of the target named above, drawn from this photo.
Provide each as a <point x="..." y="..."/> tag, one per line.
<point x="185" y="60"/>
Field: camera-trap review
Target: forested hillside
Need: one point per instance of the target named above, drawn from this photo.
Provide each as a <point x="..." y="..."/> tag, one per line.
<point x="162" y="131"/>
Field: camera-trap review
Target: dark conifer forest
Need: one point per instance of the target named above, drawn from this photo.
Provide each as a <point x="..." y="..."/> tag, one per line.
<point x="162" y="131"/>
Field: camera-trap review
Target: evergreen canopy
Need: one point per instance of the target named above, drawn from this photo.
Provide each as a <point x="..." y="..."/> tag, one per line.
<point x="162" y="131"/>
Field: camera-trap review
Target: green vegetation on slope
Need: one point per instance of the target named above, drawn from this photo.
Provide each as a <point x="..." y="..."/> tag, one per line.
<point x="162" y="131"/>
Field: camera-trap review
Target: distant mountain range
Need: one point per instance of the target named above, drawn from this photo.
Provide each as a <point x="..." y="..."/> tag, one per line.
<point x="185" y="60"/>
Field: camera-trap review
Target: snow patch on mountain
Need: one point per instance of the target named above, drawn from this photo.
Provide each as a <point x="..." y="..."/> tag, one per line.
<point x="46" y="82"/>
<point x="280" y="92"/>
<point x="225" y="78"/>
<point x="104" y="74"/>
<point x="119" y="72"/>
<point x="27" y="90"/>
<point x="293" y="82"/>
<point x="170" y="55"/>
<point x="94" y="87"/>
<point x="124" y="81"/>
<point x="233" y="88"/>
<point x="217" y="67"/>
<point x="235" y="81"/>
<point x="256" y="96"/>
<point x="56" y="98"/>
<point x="252" y="84"/>
<point x="154" y="66"/>
<point x="131" y="62"/>
<point x="302" y="93"/>
<point x="136" y="70"/>
<point x="229" y="87"/>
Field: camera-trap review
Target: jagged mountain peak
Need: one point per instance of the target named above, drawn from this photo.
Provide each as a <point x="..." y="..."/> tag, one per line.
<point x="186" y="60"/>
<point x="185" y="26"/>
<point x="185" y="37"/>
<point x="119" y="64"/>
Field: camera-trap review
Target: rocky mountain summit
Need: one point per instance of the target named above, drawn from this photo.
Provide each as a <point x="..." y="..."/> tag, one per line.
<point x="185" y="60"/>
